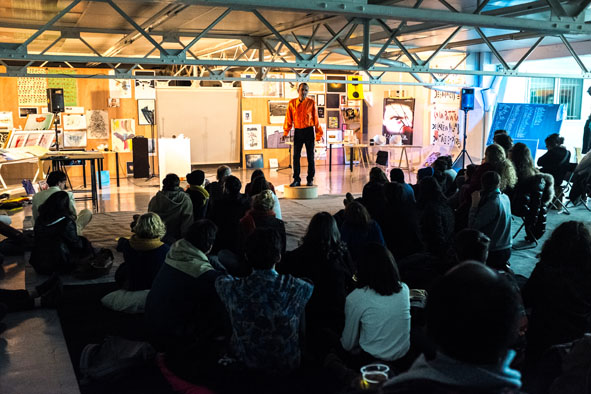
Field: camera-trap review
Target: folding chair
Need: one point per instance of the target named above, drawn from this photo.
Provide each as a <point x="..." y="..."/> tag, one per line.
<point x="531" y="246"/>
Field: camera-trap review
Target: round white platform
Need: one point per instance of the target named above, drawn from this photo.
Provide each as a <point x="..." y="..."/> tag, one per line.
<point x="300" y="192"/>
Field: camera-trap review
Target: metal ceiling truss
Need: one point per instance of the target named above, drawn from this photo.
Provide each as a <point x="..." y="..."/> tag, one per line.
<point x="353" y="44"/>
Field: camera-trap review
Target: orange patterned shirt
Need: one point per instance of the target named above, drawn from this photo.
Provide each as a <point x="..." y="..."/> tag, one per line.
<point x="301" y="115"/>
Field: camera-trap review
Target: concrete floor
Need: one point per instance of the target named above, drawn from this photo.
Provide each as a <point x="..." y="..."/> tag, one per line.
<point x="33" y="353"/>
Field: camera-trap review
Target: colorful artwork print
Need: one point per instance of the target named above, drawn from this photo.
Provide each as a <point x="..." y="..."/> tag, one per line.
<point x="445" y="131"/>
<point x="4" y="135"/>
<point x="74" y="121"/>
<point x="19" y="140"/>
<point x="32" y="91"/>
<point x="252" y="137"/>
<point x="98" y="124"/>
<point x="33" y="139"/>
<point x="273" y="136"/>
<point x="254" y="160"/>
<point x="74" y="139"/>
<point x="39" y="122"/>
<point x="47" y="140"/>
<point x="69" y="85"/>
<point x="398" y="119"/>
<point x="122" y="131"/>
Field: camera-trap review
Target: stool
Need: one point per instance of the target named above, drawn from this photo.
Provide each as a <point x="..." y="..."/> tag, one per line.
<point x="300" y="192"/>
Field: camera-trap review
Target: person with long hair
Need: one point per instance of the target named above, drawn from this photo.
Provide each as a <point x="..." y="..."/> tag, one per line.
<point x="57" y="246"/>
<point x="377" y="313"/>
<point x="359" y="228"/>
<point x="260" y="184"/>
<point x="262" y="215"/>
<point x="496" y="160"/>
<point x="436" y="219"/>
<point x="256" y="174"/>
<point x="554" y="161"/>
<point x="558" y="290"/>
<point x="323" y="258"/>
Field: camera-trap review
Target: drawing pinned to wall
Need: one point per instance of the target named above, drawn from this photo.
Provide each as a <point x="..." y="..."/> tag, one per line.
<point x="145" y="104"/>
<point x="74" y="121"/>
<point x="24" y="111"/>
<point x="334" y="118"/>
<point x="145" y="89"/>
<point x="277" y="110"/>
<point x="119" y="88"/>
<point x="69" y="85"/>
<point x="74" y="139"/>
<point x="320" y="100"/>
<point x="114" y="102"/>
<point x="246" y="116"/>
<point x="4" y="137"/>
<point x="47" y="140"/>
<point x="98" y="124"/>
<point x="321" y="112"/>
<point x="32" y="91"/>
<point x="39" y="122"/>
<point x="252" y="137"/>
<point x="6" y="120"/>
<point x="122" y="131"/>
<point x="273" y="136"/>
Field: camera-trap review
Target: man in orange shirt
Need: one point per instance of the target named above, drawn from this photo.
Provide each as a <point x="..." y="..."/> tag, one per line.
<point x="302" y="115"/>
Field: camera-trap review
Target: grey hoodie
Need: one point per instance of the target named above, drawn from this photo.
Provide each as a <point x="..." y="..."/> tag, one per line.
<point x="176" y="211"/>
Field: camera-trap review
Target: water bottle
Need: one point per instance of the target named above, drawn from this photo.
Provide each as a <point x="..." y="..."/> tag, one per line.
<point x="28" y="223"/>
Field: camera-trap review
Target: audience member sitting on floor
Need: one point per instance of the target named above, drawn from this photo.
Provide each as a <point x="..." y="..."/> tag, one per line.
<point x="558" y="290"/>
<point x="401" y="221"/>
<point x="56" y="180"/>
<point x="471" y="244"/>
<point x="445" y="177"/>
<point x="262" y="215"/>
<point x="372" y="196"/>
<point x="58" y="247"/>
<point x="553" y="162"/>
<point x="436" y="219"/>
<point x="473" y="317"/>
<point x="494" y="160"/>
<point x="256" y="174"/>
<point x="504" y="140"/>
<point x="143" y="253"/>
<point x="174" y="207"/>
<point x="491" y="213"/>
<point x="265" y="308"/>
<point x="377" y="314"/>
<point x="258" y="185"/>
<point x="397" y="175"/>
<point x="216" y="188"/>
<point x="183" y="311"/>
<point x="226" y="214"/>
<point x="324" y="259"/>
<point x="358" y="228"/>
<point x="199" y="196"/>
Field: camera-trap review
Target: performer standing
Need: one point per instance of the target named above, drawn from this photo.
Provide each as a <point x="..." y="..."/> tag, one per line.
<point x="303" y="116"/>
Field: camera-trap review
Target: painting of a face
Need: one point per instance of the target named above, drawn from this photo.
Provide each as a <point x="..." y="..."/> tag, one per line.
<point x="397" y="116"/>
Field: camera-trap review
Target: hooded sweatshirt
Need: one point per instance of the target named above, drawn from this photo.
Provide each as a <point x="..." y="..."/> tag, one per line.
<point x="183" y="304"/>
<point x="176" y="211"/>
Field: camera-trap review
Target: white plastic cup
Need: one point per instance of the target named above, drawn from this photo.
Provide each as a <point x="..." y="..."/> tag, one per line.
<point x="374" y="374"/>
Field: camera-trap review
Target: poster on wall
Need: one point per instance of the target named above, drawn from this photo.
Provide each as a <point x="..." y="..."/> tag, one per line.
<point x="334" y="119"/>
<point x="145" y="105"/>
<point x="119" y="88"/>
<point x="69" y="85"/>
<point x="4" y="137"/>
<point x="122" y="131"/>
<point x="98" y="124"/>
<point x="273" y="136"/>
<point x="73" y="121"/>
<point x="32" y="91"/>
<point x="397" y="123"/>
<point x="74" y="139"/>
<point x="6" y="120"/>
<point x="277" y="110"/>
<point x="23" y="112"/>
<point x="335" y="87"/>
<point x="145" y="89"/>
<point x="39" y="122"/>
<point x="444" y="129"/>
<point x="246" y="116"/>
<point x="252" y="137"/>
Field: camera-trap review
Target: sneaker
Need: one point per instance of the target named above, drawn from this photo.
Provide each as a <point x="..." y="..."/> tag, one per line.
<point x="295" y="184"/>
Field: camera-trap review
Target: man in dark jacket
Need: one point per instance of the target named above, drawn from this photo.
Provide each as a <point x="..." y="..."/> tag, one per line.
<point x="183" y="309"/>
<point x="472" y="316"/>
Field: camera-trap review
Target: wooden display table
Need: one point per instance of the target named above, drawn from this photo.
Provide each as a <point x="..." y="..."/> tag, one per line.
<point x="300" y="192"/>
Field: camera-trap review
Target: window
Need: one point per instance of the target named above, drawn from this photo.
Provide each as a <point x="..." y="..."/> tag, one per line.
<point x="567" y="91"/>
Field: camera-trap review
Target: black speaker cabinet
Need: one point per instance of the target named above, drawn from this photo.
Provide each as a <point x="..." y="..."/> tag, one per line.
<point x="141" y="166"/>
<point x="467" y="103"/>
<point x="55" y="100"/>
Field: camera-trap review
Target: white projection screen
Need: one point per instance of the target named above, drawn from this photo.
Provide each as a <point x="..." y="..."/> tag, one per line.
<point x="210" y="117"/>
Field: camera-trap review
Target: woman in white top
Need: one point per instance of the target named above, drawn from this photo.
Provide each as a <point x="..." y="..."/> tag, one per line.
<point x="377" y="315"/>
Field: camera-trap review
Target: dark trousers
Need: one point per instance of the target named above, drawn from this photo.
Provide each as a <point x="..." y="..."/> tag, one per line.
<point x="303" y="137"/>
<point x="499" y="259"/>
<point x="16" y="300"/>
